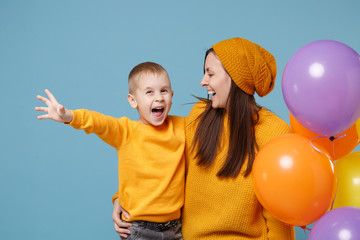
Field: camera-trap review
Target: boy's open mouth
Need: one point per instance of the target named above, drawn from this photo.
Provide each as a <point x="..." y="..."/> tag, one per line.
<point x="158" y="111"/>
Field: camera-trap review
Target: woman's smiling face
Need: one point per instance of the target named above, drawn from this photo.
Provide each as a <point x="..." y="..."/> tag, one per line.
<point x="216" y="80"/>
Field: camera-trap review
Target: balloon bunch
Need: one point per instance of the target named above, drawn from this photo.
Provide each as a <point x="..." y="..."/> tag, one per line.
<point x="294" y="175"/>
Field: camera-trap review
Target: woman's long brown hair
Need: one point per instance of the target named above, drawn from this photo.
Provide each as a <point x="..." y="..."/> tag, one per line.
<point x="242" y="118"/>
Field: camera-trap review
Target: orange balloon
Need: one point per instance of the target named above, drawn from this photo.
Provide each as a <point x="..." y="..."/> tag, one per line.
<point x="358" y="127"/>
<point x="337" y="148"/>
<point x="293" y="181"/>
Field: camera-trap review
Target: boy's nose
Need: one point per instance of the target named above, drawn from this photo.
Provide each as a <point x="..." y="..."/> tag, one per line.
<point x="159" y="98"/>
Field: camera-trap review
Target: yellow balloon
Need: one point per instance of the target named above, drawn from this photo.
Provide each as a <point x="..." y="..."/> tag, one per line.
<point x="358" y="127"/>
<point x="348" y="176"/>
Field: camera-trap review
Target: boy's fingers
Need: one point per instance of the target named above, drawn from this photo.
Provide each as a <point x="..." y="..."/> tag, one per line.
<point x="41" y="109"/>
<point x="49" y="94"/>
<point x="61" y="109"/>
<point x="43" y="99"/>
<point x="46" y="116"/>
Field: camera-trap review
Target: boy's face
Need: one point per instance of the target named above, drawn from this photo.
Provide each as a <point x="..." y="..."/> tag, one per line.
<point x="152" y="98"/>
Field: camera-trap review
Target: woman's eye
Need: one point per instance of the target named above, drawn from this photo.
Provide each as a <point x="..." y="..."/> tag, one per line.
<point x="210" y="74"/>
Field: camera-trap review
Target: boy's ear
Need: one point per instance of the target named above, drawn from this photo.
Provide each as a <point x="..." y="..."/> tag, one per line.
<point x="132" y="101"/>
<point x="172" y="93"/>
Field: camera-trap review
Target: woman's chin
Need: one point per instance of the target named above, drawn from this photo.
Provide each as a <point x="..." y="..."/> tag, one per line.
<point x="216" y="105"/>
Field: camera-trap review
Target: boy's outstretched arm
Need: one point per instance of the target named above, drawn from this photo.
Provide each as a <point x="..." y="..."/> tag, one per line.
<point x="54" y="110"/>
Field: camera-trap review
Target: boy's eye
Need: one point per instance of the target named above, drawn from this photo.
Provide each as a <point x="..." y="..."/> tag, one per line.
<point x="148" y="92"/>
<point x="164" y="90"/>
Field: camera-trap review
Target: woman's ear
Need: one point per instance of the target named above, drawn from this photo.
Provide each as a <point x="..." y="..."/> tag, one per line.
<point x="132" y="101"/>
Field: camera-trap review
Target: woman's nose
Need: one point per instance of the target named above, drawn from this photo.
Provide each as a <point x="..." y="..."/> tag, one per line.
<point x="203" y="82"/>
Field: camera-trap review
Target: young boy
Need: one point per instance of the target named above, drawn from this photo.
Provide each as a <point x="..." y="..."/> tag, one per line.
<point x="150" y="151"/>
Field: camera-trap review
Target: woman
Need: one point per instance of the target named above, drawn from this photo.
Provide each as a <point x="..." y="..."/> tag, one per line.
<point x="223" y="135"/>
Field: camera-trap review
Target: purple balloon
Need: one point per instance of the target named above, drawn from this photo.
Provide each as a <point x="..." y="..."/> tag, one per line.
<point x="321" y="87"/>
<point x="339" y="224"/>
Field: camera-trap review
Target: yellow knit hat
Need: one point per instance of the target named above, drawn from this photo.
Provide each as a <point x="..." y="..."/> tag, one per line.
<point x="249" y="65"/>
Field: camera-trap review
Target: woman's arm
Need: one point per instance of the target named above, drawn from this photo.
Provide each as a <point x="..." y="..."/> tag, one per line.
<point x="278" y="230"/>
<point x="120" y="227"/>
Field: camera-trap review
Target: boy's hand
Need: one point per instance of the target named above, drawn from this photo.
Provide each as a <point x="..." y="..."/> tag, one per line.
<point x="54" y="110"/>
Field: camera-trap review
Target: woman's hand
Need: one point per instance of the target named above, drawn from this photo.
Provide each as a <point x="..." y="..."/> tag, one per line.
<point x="120" y="227"/>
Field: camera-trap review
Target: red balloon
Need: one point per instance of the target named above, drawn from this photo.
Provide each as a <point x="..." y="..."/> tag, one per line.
<point x="293" y="181"/>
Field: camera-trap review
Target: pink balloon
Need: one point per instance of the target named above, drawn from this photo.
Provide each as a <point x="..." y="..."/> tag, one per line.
<point x="321" y="87"/>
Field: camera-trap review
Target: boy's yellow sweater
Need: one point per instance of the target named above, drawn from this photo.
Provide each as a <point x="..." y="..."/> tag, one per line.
<point x="228" y="208"/>
<point x="151" y="162"/>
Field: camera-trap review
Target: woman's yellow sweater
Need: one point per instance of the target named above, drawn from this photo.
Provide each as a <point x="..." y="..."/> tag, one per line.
<point x="222" y="209"/>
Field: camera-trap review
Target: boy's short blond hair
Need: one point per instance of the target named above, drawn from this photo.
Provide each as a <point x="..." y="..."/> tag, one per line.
<point x="144" y="68"/>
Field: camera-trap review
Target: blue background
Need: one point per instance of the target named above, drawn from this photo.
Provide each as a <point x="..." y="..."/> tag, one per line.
<point x="56" y="182"/>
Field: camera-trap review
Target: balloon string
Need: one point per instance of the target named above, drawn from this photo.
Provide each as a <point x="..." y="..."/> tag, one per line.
<point x="311" y="142"/>
<point x="333" y="201"/>
<point x="303" y="227"/>
<point x="333" y="148"/>
<point x="332" y="142"/>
